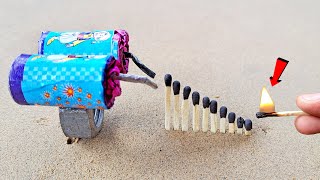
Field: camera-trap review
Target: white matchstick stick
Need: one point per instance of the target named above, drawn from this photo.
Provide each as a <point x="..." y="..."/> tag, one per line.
<point x="168" y="81"/>
<point x="223" y="115"/>
<point x="196" y="113"/>
<point x="176" y="92"/>
<point x="185" y="109"/>
<point x="231" y="118"/>
<point x="205" y="114"/>
<point x="214" y="116"/>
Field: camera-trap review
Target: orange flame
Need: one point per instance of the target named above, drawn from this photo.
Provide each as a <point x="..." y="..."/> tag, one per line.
<point x="266" y="102"/>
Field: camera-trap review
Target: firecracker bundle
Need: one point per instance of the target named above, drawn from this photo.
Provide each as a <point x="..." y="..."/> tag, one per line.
<point x="75" y="70"/>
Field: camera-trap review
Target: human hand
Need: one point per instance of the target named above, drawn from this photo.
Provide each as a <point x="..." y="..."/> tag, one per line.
<point x="309" y="103"/>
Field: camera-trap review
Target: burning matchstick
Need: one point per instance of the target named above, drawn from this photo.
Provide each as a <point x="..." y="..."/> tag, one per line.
<point x="280" y="114"/>
<point x="267" y="108"/>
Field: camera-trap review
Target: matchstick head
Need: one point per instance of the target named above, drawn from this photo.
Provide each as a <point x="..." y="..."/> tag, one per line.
<point x="248" y="124"/>
<point x="168" y="80"/>
<point x="240" y="122"/>
<point x="261" y="115"/>
<point x="176" y="87"/>
<point x="186" y="92"/>
<point x="213" y="107"/>
<point x="206" y="102"/>
<point x="223" y="112"/>
<point x="195" y="98"/>
<point x="231" y="117"/>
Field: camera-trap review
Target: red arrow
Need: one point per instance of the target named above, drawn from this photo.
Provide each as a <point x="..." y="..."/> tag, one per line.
<point x="278" y="70"/>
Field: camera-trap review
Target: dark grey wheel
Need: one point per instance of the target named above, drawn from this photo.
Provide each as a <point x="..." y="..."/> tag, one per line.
<point x="81" y="123"/>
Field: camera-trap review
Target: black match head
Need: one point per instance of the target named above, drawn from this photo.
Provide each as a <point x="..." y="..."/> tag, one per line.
<point x="213" y="107"/>
<point x="240" y="122"/>
<point x="168" y="80"/>
<point x="223" y="112"/>
<point x="186" y="92"/>
<point x="176" y="87"/>
<point x="261" y="115"/>
<point x="195" y="98"/>
<point x="248" y="124"/>
<point x="206" y="102"/>
<point x="231" y="117"/>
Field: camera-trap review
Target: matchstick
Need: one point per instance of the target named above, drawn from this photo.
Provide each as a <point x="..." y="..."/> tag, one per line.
<point x="240" y="123"/>
<point x="176" y="93"/>
<point x="231" y="118"/>
<point x="134" y="79"/>
<point x="223" y="115"/>
<point x="280" y="114"/>
<point x="214" y="116"/>
<point x="185" y="109"/>
<point x="247" y="127"/>
<point x="168" y="81"/>
<point x="205" y="114"/>
<point x="196" y="113"/>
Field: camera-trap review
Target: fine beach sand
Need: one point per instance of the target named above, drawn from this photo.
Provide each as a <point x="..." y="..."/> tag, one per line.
<point x="225" y="49"/>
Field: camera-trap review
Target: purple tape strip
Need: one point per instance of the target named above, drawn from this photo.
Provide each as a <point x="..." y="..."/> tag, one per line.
<point x="41" y="41"/>
<point x="15" y="78"/>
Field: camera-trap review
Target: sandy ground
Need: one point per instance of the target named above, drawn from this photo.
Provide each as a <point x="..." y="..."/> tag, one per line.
<point x="218" y="48"/>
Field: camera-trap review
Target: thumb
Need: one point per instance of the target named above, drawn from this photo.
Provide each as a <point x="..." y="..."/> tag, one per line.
<point x="309" y="103"/>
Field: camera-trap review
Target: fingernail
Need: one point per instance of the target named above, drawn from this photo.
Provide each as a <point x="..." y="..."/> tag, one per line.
<point x="311" y="97"/>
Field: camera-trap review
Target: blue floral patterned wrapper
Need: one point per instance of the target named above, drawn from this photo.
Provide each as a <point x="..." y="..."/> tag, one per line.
<point x="61" y="80"/>
<point x="106" y="42"/>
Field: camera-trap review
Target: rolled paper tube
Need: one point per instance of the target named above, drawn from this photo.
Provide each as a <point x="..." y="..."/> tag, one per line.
<point x="168" y="81"/>
<point x="205" y="114"/>
<point x="185" y="109"/>
<point x="114" y="42"/>
<point x="65" y="81"/>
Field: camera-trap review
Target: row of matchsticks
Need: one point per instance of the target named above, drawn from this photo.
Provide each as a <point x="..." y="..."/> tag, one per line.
<point x="209" y="107"/>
